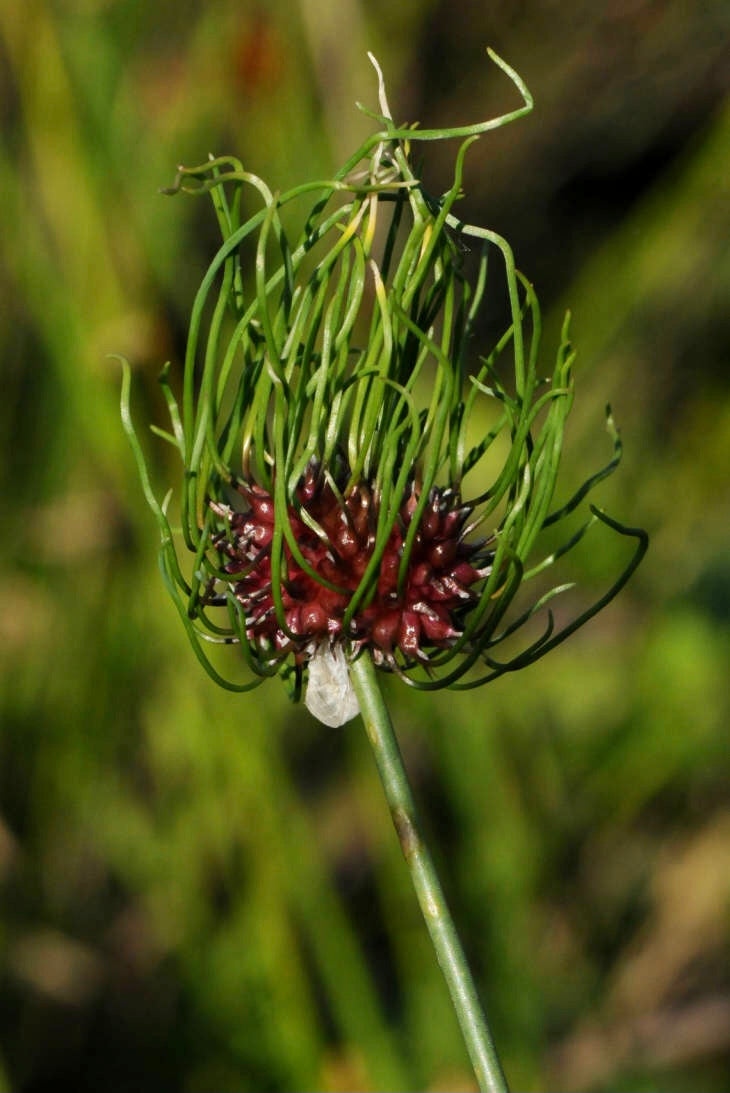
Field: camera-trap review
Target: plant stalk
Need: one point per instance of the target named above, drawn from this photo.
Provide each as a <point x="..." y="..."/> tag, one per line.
<point x="449" y="952"/>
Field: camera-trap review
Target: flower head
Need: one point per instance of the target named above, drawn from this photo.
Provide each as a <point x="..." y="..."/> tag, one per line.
<point x="340" y="425"/>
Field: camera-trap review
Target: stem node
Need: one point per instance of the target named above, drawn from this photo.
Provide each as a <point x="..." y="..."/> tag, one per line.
<point x="407" y="831"/>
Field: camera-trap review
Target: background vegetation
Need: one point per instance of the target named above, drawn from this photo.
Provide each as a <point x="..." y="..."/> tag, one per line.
<point x="204" y="892"/>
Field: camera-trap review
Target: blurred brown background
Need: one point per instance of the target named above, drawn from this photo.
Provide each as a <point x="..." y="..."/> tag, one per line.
<point x="204" y="892"/>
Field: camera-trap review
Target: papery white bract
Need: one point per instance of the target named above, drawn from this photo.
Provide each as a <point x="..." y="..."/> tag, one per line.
<point x="330" y="695"/>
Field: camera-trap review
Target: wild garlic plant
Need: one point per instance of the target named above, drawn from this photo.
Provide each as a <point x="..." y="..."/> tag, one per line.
<point x="342" y="510"/>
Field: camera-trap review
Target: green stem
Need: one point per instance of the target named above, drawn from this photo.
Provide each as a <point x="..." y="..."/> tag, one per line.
<point x="449" y="952"/>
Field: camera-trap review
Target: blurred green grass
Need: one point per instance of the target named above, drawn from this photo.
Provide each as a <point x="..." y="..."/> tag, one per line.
<point x="201" y="891"/>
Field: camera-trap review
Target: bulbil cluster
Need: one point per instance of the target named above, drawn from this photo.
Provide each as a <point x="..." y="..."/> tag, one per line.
<point x="410" y="608"/>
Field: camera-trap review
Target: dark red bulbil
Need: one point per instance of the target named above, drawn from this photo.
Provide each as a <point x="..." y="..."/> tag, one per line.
<point x="438" y="585"/>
